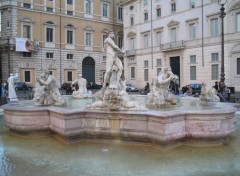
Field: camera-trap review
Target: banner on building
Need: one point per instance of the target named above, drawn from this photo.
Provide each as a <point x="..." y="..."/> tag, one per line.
<point x="24" y="45"/>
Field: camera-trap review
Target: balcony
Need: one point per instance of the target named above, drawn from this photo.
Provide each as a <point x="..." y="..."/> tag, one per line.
<point x="173" y="46"/>
<point x="131" y="53"/>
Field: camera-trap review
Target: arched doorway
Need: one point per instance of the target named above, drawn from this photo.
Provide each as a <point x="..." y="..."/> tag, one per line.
<point x="88" y="69"/>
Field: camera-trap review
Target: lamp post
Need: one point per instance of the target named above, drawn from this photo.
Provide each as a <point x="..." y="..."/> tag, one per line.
<point x="222" y="85"/>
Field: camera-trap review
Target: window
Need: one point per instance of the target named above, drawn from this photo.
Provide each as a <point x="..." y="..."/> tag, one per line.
<point x="69" y="76"/>
<point x="120" y="13"/>
<point x="132" y="72"/>
<point x="69" y="56"/>
<point x="69" y="37"/>
<point x="192" y="31"/>
<point x="70" y="2"/>
<point x="159" y="62"/>
<point x="159" y="70"/>
<point x="105" y="10"/>
<point x="238" y="66"/>
<point x="26" y="31"/>
<point x="193" y="59"/>
<point x="131" y="7"/>
<point x="238" y="22"/>
<point x="145" y="2"/>
<point x="88" y="6"/>
<point x="193" y="73"/>
<point x="214" y="57"/>
<point x="145" y="16"/>
<point x="131" y="44"/>
<point x="173" y="35"/>
<point x="27" y="5"/>
<point x="215" y="73"/>
<point x="27" y="76"/>
<point x="173" y="7"/>
<point x="104" y="37"/>
<point x="27" y="54"/>
<point x="192" y="3"/>
<point x="145" y="64"/>
<point x="49" y="9"/>
<point x="131" y="21"/>
<point x="49" y="55"/>
<point x="50" y="72"/>
<point x="145" y="74"/>
<point x="158" y="38"/>
<point x="214" y="27"/>
<point x="69" y="13"/>
<point x="120" y="41"/>
<point x="104" y="59"/>
<point x="49" y="36"/>
<point x="145" y="38"/>
<point x="89" y="39"/>
<point x="158" y="12"/>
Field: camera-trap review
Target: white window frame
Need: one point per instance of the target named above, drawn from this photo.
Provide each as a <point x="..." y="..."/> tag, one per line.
<point x="132" y="72"/>
<point x="104" y="36"/>
<point x="31" y="3"/>
<point x="192" y="4"/>
<point x="46" y="5"/>
<point x="192" y="26"/>
<point x="213" y="58"/>
<point x="193" y="59"/>
<point x="146" y="41"/>
<point x="121" y="19"/>
<point x="87" y="14"/>
<point x="53" y="26"/>
<point x="193" y="76"/>
<point x="213" y="74"/>
<point x="28" y="22"/>
<point x="72" y="28"/>
<point x="132" y="43"/>
<point x="158" y="62"/>
<point x="217" y="32"/>
<point x="105" y="18"/>
<point x="238" y="22"/>
<point x="68" y="7"/>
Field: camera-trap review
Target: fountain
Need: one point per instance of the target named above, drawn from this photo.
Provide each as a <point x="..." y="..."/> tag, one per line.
<point x="118" y="116"/>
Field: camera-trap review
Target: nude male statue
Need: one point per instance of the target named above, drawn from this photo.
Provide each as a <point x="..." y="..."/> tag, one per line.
<point x="111" y="50"/>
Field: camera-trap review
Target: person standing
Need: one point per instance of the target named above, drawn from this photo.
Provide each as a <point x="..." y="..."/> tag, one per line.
<point x="24" y="87"/>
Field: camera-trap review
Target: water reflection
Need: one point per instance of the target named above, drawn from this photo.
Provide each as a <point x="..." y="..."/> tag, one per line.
<point x="47" y="156"/>
<point x="5" y="166"/>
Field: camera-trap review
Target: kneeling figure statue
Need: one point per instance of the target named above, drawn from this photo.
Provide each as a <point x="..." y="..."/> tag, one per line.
<point x="160" y="94"/>
<point x="82" y="88"/>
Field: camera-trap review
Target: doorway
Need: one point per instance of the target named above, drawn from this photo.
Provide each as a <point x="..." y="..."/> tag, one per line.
<point x="88" y="69"/>
<point x="175" y="65"/>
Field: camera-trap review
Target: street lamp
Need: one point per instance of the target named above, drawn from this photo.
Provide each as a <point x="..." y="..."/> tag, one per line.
<point x="222" y="75"/>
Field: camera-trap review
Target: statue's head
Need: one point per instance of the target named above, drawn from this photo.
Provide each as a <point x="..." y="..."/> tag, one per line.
<point x="46" y="72"/>
<point x="11" y="74"/>
<point x="111" y="34"/>
<point x="167" y="70"/>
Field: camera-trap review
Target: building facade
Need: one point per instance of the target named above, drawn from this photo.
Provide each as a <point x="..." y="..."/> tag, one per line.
<point x="183" y="34"/>
<point x="67" y="37"/>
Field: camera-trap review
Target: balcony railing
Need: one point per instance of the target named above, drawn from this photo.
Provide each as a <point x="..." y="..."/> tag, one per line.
<point x="131" y="53"/>
<point x="173" y="46"/>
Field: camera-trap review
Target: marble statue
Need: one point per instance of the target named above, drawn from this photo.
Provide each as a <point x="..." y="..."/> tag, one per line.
<point x="159" y="94"/>
<point x="11" y="87"/>
<point x="50" y="94"/>
<point x="112" y="58"/>
<point x="208" y="93"/>
<point x="82" y="88"/>
<point x="113" y="95"/>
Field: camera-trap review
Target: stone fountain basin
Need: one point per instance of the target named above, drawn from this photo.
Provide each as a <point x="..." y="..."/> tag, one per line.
<point x="149" y="126"/>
